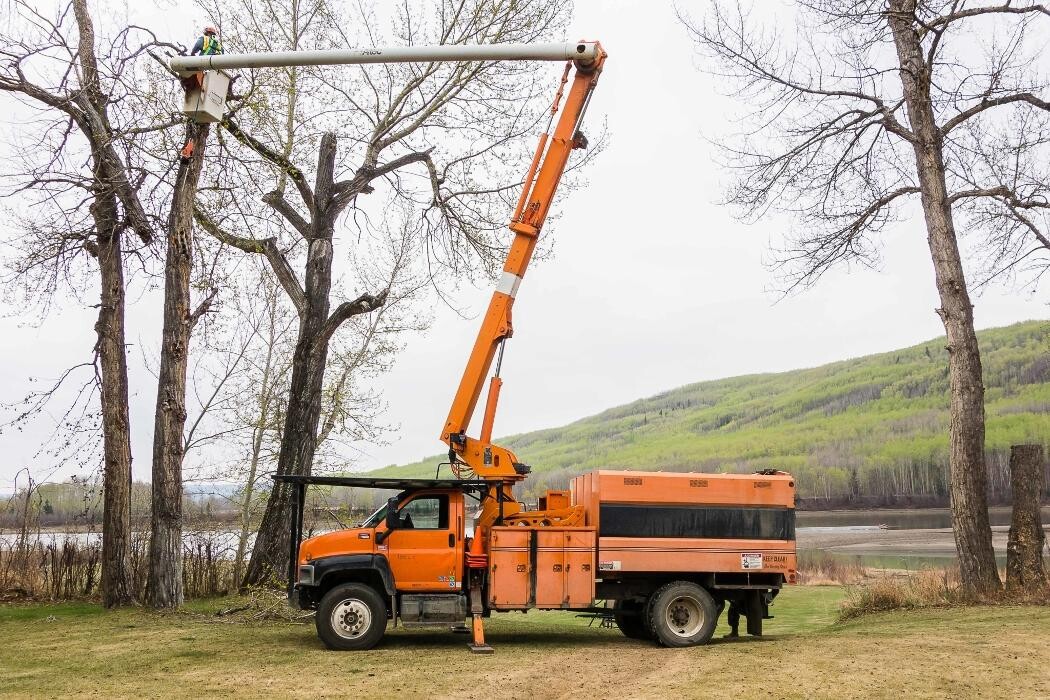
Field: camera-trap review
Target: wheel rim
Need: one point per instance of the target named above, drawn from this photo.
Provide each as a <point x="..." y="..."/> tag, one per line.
<point x="351" y="618"/>
<point x="684" y="616"/>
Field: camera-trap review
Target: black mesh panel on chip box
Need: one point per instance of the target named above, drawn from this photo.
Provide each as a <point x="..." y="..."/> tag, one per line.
<point x="712" y="522"/>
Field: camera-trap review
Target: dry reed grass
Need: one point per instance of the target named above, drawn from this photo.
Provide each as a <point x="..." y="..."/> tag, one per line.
<point x="927" y="588"/>
<point x="819" y="568"/>
<point x="59" y="567"/>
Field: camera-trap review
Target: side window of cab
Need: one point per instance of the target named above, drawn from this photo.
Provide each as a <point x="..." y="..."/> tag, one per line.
<point x="425" y="513"/>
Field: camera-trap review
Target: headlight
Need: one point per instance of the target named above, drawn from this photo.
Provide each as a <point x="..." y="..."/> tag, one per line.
<point x="306" y="575"/>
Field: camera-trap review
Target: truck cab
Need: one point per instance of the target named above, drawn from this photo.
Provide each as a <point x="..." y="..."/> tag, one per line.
<point x="404" y="563"/>
<point x="419" y="535"/>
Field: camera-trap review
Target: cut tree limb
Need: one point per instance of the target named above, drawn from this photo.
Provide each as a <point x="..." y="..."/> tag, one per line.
<point x="363" y="304"/>
<point x="1025" y="573"/>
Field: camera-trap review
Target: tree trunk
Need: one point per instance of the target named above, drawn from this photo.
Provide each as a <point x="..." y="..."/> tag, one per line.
<point x="164" y="588"/>
<point x="269" y="560"/>
<point x="968" y="476"/>
<point x="117" y="588"/>
<point x="1025" y="574"/>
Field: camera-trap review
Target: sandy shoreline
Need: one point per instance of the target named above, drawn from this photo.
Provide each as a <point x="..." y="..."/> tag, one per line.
<point x="874" y="542"/>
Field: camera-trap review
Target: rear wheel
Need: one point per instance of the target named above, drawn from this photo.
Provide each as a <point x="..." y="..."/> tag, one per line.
<point x="682" y="614"/>
<point x="351" y="617"/>
<point x="630" y="618"/>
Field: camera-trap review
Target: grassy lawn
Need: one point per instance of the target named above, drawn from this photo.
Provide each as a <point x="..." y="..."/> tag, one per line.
<point x="80" y="649"/>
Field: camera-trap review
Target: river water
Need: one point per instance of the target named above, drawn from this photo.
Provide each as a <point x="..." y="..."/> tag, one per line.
<point x="897" y="539"/>
<point x="897" y="519"/>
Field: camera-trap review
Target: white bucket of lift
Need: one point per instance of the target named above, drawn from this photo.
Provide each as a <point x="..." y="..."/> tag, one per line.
<point x="206" y="96"/>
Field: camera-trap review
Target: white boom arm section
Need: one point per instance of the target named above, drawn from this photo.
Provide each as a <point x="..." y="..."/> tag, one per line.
<point x="583" y="51"/>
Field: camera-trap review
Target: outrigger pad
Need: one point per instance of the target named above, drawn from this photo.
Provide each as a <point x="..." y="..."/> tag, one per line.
<point x="480" y="649"/>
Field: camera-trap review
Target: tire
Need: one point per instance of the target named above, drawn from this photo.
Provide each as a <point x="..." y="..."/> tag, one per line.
<point x="351" y="617"/>
<point x="682" y="614"/>
<point x="630" y="618"/>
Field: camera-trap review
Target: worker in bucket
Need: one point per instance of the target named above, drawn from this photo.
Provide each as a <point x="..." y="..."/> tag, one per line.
<point x="207" y="44"/>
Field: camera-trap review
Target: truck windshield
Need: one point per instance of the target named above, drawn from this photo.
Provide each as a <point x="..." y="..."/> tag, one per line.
<point x="375" y="518"/>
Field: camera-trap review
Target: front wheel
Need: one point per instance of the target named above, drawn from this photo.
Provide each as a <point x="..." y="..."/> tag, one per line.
<point x="682" y="614"/>
<point x="351" y="617"/>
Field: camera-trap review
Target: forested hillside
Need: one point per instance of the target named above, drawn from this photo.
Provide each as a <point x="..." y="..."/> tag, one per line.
<point x="871" y="429"/>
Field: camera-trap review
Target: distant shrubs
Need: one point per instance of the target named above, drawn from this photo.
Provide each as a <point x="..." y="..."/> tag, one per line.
<point x="48" y="570"/>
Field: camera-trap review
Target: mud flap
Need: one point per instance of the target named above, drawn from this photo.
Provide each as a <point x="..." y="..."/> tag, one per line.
<point x="756" y="610"/>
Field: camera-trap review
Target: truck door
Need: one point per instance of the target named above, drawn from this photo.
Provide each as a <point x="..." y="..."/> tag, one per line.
<point x="426" y="552"/>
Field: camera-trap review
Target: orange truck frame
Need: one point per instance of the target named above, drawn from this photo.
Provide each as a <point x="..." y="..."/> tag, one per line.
<point x="661" y="553"/>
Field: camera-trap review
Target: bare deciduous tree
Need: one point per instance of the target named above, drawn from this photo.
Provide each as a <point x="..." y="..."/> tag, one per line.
<point x="164" y="584"/>
<point x="272" y="328"/>
<point x="872" y="103"/>
<point x="87" y="183"/>
<point x="242" y="362"/>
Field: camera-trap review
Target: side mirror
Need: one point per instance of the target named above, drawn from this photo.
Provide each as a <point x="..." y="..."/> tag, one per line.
<point x="393" y="518"/>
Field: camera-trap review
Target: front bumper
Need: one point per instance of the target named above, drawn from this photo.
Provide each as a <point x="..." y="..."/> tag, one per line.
<point x="299" y="595"/>
<point x="302" y="597"/>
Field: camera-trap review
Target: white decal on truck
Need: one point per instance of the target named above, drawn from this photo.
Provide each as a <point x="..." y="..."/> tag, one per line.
<point x="610" y="565"/>
<point x="750" y="561"/>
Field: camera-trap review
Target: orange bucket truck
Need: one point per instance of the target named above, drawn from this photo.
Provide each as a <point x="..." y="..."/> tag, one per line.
<point x="661" y="553"/>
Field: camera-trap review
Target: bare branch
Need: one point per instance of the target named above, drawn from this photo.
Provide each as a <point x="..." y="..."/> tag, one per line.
<point x="346" y="190"/>
<point x="293" y="173"/>
<point x="1007" y="8"/>
<point x="276" y="200"/>
<point x="203" y="308"/>
<point x="987" y="104"/>
<point x="265" y="246"/>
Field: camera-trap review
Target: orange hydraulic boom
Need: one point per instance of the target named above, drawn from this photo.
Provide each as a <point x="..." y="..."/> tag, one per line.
<point x="478" y="456"/>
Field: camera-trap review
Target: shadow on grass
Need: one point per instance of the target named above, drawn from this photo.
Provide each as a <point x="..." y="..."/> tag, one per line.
<point x="526" y="638"/>
<point x="520" y="640"/>
<point x="748" y="640"/>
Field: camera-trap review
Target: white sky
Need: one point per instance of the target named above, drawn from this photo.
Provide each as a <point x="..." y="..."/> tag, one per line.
<point x="652" y="285"/>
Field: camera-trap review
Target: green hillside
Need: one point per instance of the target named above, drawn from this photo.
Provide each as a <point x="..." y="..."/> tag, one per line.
<point x="874" y="427"/>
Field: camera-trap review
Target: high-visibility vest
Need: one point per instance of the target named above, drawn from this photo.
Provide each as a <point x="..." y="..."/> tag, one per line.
<point x="211" y="46"/>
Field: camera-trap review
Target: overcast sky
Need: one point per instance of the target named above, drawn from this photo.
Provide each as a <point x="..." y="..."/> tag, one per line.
<point x="652" y="284"/>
